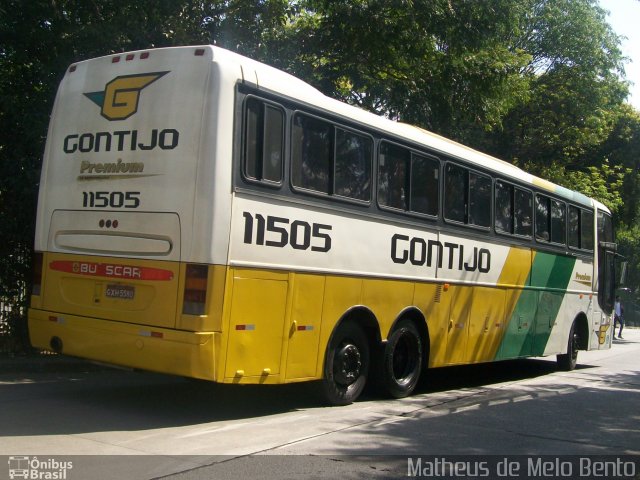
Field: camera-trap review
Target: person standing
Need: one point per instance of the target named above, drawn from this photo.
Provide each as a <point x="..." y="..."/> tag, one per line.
<point x="618" y="316"/>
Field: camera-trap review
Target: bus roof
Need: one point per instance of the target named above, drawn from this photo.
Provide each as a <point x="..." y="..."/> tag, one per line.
<point x="277" y="81"/>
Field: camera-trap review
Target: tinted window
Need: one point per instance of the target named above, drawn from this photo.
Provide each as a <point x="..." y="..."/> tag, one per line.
<point x="573" y="238"/>
<point x="455" y="193"/>
<point x="264" y="133"/>
<point x="467" y="196"/>
<point x="311" y="153"/>
<point x="424" y="185"/>
<point x="513" y="210"/>
<point x="523" y="217"/>
<point x="504" y="207"/>
<point x="580" y="233"/>
<point x="543" y="214"/>
<point x="586" y="232"/>
<point x="393" y="176"/>
<point x="273" y="141"/>
<point x="558" y="222"/>
<point x="479" y="200"/>
<point x="407" y="181"/>
<point x="353" y="165"/>
<point x="329" y="159"/>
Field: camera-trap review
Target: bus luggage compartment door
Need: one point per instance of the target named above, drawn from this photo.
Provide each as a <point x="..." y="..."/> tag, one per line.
<point x="256" y="324"/>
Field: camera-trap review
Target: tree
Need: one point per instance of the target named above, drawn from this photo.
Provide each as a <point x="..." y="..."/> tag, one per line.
<point x="575" y="90"/>
<point x="443" y="64"/>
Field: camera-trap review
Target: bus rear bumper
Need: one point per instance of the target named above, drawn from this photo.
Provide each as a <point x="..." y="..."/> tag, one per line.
<point x="189" y="354"/>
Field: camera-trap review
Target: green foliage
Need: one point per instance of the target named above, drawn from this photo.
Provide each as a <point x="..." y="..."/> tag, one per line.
<point x="441" y="64"/>
<point x="575" y="88"/>
<point x="628" y="238"/>
<point x="622" y="147"/>
<point x="604" y="183"/>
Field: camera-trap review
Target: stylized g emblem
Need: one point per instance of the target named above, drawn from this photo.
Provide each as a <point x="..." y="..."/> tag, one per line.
<point x="119" y="100"/>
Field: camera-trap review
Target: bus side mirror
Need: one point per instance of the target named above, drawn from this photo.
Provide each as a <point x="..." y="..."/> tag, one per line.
<point x="623" y="273"/>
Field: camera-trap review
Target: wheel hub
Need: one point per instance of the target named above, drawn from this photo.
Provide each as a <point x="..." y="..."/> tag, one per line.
<point x="347" y="364"/>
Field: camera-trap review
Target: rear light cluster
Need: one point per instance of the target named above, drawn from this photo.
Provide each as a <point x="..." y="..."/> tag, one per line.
<point x="116" y="59"/>
<point x="108" y="223"/>
<point x="37" y="273"/>
<point x="195" y="290"/>
<point x="129" y="56"/>
<point x="199" y="52"/>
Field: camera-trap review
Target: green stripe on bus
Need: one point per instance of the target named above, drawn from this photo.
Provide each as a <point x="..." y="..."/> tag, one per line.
<point x="536" y="311"/>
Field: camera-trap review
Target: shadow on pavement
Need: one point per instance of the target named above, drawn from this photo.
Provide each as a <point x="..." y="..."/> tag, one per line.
<point x="79" y="397"/>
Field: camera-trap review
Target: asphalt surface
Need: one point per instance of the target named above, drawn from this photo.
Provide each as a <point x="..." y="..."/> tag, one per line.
<point x="123" y="424"/>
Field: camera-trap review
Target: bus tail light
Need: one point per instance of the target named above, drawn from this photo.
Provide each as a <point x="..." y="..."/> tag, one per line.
<point x="195" y="290"/>
<point x="37" y="273"/>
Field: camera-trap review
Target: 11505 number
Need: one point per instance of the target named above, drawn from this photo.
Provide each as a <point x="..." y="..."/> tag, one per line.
<point x="280" y="231"/>
<point x="111" y="199"/>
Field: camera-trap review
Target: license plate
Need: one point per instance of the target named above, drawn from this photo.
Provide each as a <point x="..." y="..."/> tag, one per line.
<point x="125" y="292"/>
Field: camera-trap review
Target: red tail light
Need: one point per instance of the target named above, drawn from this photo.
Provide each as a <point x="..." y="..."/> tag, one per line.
<point x="195" y="290"/>
<point x="37" y="273"/>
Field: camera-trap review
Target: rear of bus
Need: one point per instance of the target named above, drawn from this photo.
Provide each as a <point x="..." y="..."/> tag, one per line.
<point x="125" y="243"/>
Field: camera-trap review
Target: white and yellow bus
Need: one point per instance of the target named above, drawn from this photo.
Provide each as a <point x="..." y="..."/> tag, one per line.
<point x="205" y="215"/>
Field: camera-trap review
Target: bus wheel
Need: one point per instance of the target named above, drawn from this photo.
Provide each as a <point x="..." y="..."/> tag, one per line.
<point x="346" y="365"/>
<point x="568" y="361"/>
<point x="402" y="361"/>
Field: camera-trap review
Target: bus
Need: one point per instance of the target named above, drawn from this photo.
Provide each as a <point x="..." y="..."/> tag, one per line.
<point x="205" y="215"/>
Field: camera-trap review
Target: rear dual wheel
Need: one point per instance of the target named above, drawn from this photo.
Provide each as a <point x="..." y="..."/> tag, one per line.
<point x="401" y="361"/>
<point x="348" y="358"/>
<point x="346" y="365"/>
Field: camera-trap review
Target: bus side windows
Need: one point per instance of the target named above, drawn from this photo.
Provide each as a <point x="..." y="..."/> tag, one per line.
<point x="424" y="185"/>
<point x="479" y="200"/>
<point x="467" y="196"/>
<point x="573" y="238"/>
<point x="393" y="176"/>
<point x="543" y="215"/>
<point x="504" y="207"/>
<point x="330" y="160"/>
<point x="353" y="165"/>
<point x="264" y="141"/>
<point x="551" y="220"/>
<point x="558" y="222"/>
<point x="523" y="218"/>
<point x="407" y="180"/>
<point x="586" y="231"/>
<point x="514" y="210"/>
<point x="455" y="193"/>
<point x="580" y="228"/>
<point x="311" y="154"/>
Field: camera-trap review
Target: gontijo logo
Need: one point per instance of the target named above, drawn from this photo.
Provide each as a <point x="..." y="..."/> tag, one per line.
<point x="120" y="97"/>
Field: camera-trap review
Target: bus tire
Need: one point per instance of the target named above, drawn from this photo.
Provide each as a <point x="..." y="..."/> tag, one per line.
<point x="346" y="365"/>
<point x="401" y="361"/>
<point x="568" y="361"/>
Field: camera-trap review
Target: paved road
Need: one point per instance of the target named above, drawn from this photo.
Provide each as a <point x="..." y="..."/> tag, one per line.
<point x="167" y="426"/>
